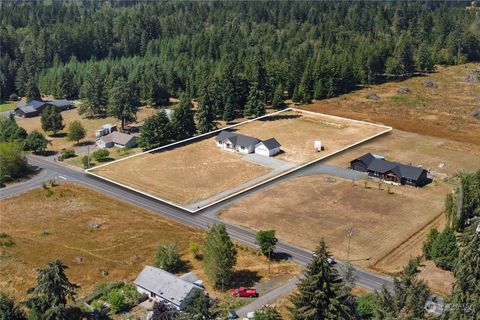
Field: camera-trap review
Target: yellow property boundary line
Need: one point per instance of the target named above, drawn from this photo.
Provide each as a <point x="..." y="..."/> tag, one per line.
<point x="387" y="129"/>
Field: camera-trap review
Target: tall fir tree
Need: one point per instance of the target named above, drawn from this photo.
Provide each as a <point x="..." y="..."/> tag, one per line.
<point x="320" y="292"/>
<point x="278" y="102"/>
<point x="31" y="90"/>
<point x="52" y="293"/>
<point x="92" y="93"/>
<point x="51" y="119"/>
<point x="206" y="112"/>
<point x="219" y="256"/>
<point x="156" y="131"/>
<point x="466" y="290"/>
<point x="183" y="122"/>
<point x="255" y="102"/>
<point x="123" y="102"/>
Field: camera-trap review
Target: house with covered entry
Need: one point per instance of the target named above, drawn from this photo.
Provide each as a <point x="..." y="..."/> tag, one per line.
<point x="116" y="139"/>
<point x="378" y="167"/>
<point x="161" y="285"/>
<point x="244" y="144"/>
<point x="35" y="107"/>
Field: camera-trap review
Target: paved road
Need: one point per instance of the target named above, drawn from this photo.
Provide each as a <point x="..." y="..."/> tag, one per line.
<point x="368" y="280"/>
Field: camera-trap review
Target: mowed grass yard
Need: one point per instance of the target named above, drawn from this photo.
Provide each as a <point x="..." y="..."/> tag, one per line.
<point x="443" y="112"/>
<point x="297" y="133"/>
<point x="123" y="243"/>
<point x="306" y="209"/>
<point x="199" y="170"/>
<point x="60" y="141"/>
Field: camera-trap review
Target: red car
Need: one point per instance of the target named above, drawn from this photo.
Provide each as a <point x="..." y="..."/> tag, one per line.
<point x="245" y="292"/>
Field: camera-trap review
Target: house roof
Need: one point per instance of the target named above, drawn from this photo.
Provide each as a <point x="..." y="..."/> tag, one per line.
<point x="271" y="143"/>
<point x="224" y="135"/>
<point x="34" y="104"/>
<point x="237" y="139"/>
<point x="165" y="285"/>
<point x="117" y="137"/>
<point x="27" y="109"/>
<point x="382" y="166"/>
<point x="410" y="172"/>
<point x="61" y="103"/>
<point x="369" y="157"/>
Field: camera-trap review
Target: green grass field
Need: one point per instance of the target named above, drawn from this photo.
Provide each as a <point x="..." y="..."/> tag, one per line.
<point x="7" y="105"/>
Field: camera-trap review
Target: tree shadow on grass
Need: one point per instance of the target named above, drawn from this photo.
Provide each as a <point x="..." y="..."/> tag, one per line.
<point x="244" y="278"/>
<point x="280" y="117"/>
<point x="58" y="135"/>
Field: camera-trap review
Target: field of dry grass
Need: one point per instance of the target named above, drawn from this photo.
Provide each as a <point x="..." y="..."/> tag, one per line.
<point x="429" y="152"/>
<point x="297" y="133"/>
<point x="200" y="170"/>
<point x="60" y="141"/>
<point x="443" y="112"/>
<point x="306" y="209"/>
<point x="123" y="243"/>
<point x="186" y="174"/>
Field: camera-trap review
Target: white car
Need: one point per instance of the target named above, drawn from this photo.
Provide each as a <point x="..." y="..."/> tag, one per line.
<point x="330" y="259"/>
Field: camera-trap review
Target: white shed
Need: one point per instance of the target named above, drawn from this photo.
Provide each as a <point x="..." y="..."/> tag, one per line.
<point x="268" y="147"/>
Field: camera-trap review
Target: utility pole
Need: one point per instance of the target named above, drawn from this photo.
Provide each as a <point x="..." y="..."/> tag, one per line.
<point x="350" y="234"/>
<point x="269" y="261"/>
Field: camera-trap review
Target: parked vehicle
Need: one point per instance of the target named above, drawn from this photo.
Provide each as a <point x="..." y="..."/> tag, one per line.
<point x="330" y="259"/>
<point x="245" y="292"/>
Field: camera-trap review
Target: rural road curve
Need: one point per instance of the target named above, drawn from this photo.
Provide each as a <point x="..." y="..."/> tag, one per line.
<point x="202" y="220"/>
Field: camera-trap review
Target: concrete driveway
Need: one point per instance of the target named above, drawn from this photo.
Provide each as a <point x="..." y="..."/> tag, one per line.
<point x="270" y="162"/>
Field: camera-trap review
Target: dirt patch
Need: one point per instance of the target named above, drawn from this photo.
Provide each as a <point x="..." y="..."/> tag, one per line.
<point x="451" y="105"/>
<point x="439" y="281"/>
<point x="123" y="241"/>
<point x="306" y="209"/>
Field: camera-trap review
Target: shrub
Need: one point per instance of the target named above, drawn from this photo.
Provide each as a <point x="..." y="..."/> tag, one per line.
<point x="6" y="240"/>
<point x="85" y="162"/>
<point x="101" y="154"/>
<point x="195" y="250"/>
<point x="366" y="306"/>
<point x="13" y="97"/>
<point x="167" y="257"/>
<point x="67" y="153"/>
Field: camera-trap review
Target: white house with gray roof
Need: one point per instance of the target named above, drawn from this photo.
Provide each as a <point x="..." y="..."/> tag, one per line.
<point x="244" y="144"/>
<point x="161" y="285"/>
<point x="116" y="139"/>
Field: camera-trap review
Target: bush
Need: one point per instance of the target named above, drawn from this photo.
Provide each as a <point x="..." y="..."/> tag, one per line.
<point x="6" y="240"/>
<point x="119" y="296"/>
<point x="13" y="164"/>
<point x="13" y="97"/>
<point x="167" y="257"/>
<point x="195" y="250"/>
<point x="36" y="142"/>
<point x="427" y="245"/>
<point x="67" y="153"/>
<point x="85" y="162"/>
<point x="101" y="154"/>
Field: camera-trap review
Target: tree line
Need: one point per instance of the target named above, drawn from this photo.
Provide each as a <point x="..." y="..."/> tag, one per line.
<point x="239" y="51"/>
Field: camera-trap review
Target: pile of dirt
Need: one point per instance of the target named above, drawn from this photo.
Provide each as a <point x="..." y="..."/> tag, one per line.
<point x="473" y="76"/>
<point x="404" y="90"/>
<point x="430" y="84"/>
<point x="476" y="114"/>
<point x="373" y="96"/>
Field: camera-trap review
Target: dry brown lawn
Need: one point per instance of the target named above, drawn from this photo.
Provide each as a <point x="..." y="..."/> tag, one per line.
<point x="297" y="133"/>
<point x="304" y="210"/>
<point x="122" y="245"/>
<point x="427" y="151"/>
<point x="69" y="116"/>
<point x="200" y="170"/>
<point x="442" y="112"/>
<point x="185" y="174"/>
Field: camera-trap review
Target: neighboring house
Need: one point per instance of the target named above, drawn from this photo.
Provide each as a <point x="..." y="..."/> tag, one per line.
<point x="376" y="166"/>
<point x="35" y="107"/>
<point x="268" y="147"/>
<point x="161" y="285"/>
<point x="244" y="144"/>
<point x="117" y="139"/>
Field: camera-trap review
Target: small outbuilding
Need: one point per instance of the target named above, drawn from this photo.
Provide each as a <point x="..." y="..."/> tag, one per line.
<point x="268" y="147"/>
<point x="117" y="139"/>
<point x="163" y="286"/>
